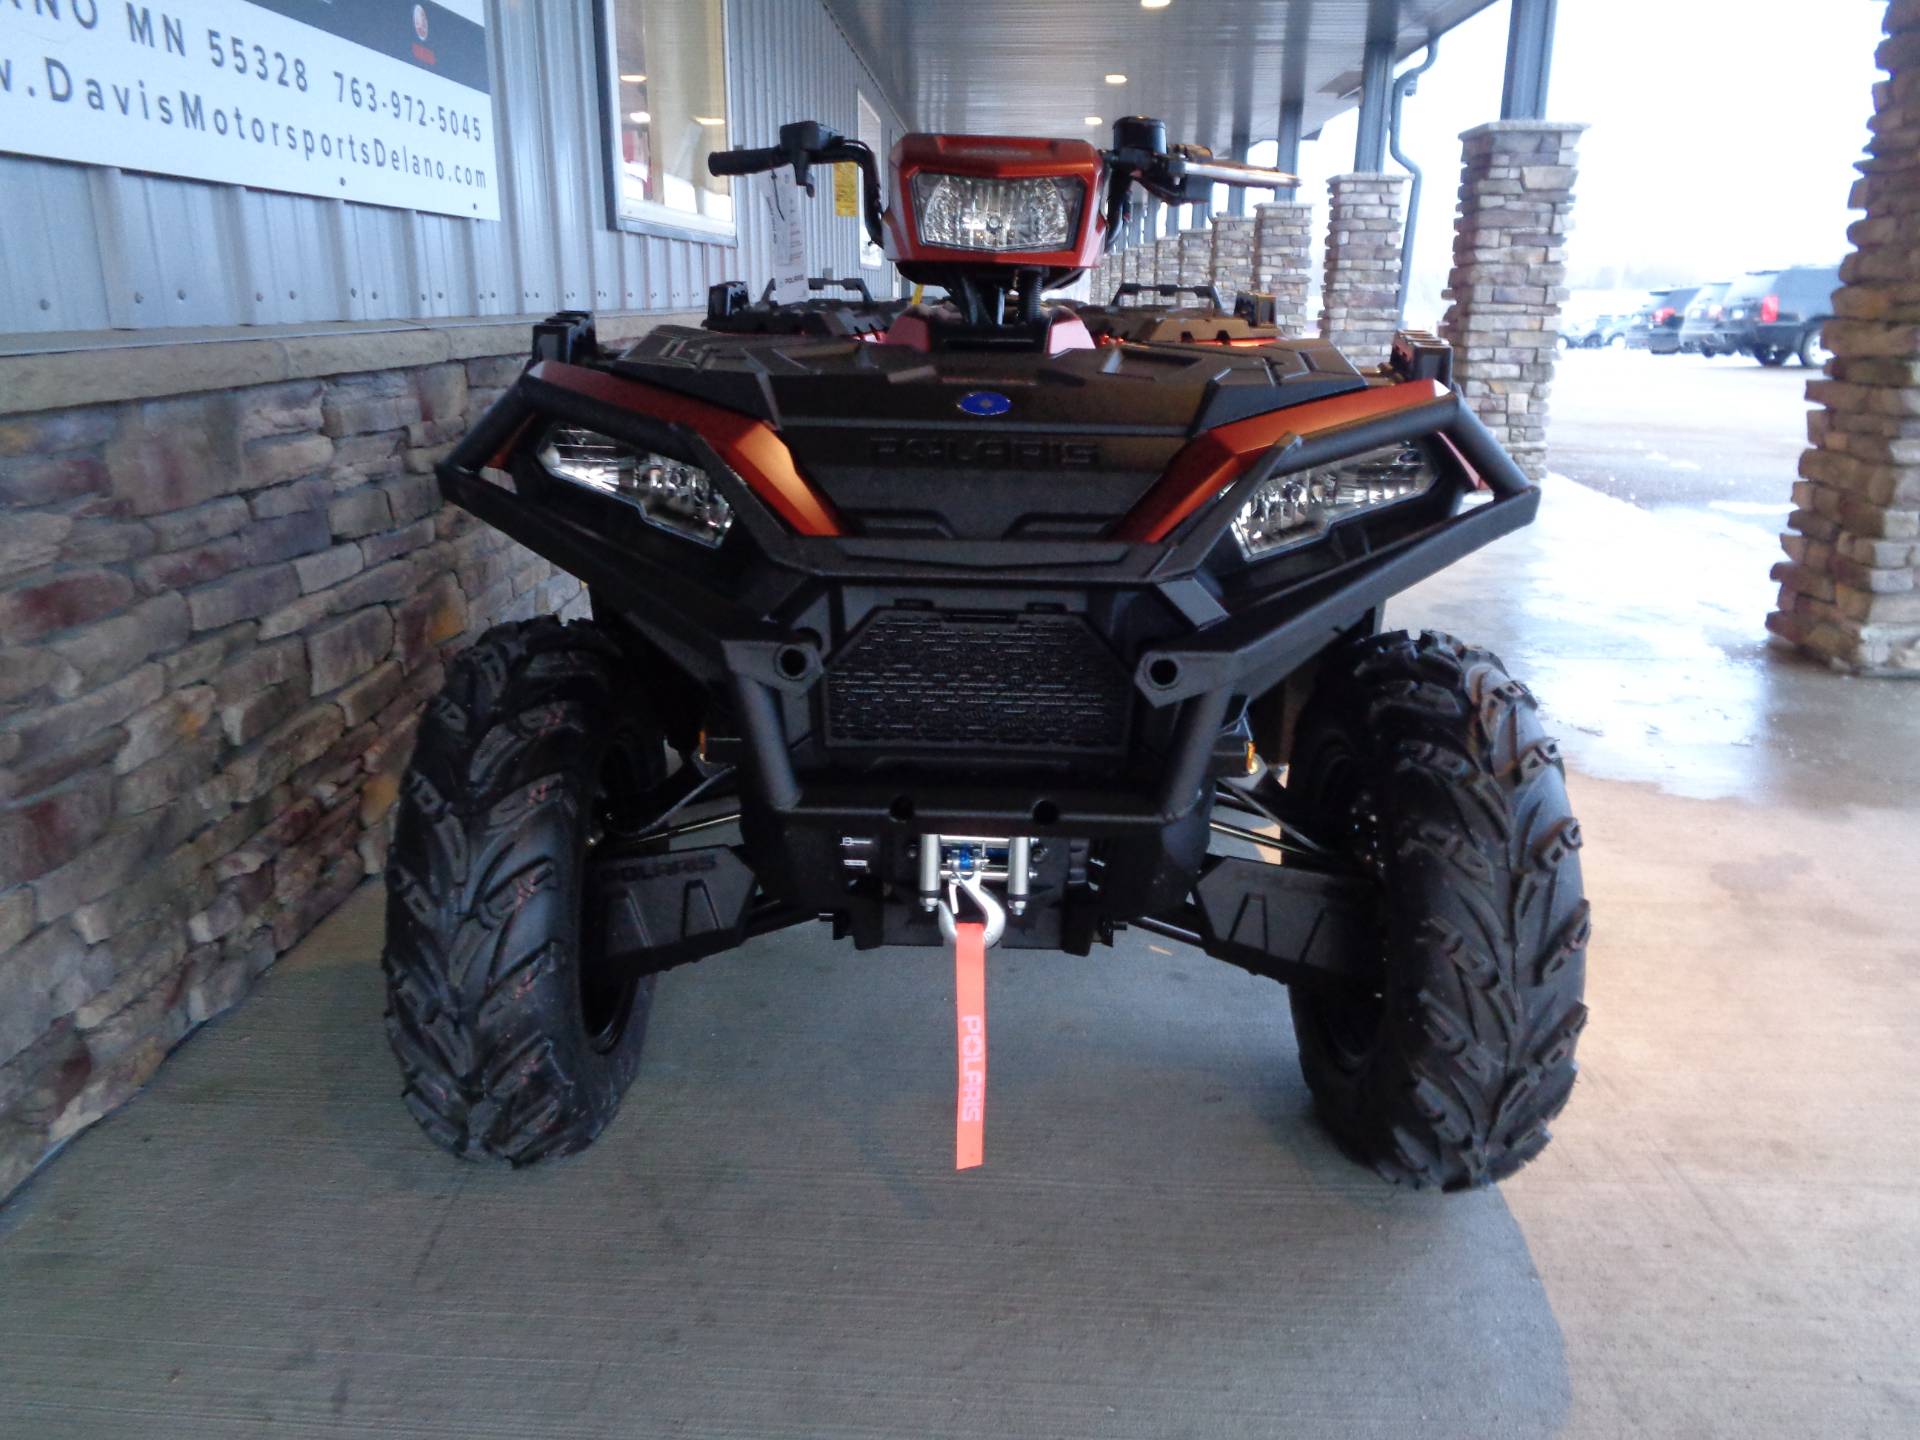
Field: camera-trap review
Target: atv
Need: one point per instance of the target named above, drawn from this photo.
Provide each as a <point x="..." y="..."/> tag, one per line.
<point x="950" y="621"/>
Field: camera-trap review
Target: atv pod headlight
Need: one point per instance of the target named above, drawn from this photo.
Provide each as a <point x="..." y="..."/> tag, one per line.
<point x="966" y="212"/>
<point x="668" y="494"/>
<point x="1290" y="510"/>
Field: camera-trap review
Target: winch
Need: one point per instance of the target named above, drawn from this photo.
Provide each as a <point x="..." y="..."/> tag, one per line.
<point x="951" y="865"/>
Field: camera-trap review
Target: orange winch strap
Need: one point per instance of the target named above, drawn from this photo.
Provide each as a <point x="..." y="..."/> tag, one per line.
<point x="970" y="1011"/>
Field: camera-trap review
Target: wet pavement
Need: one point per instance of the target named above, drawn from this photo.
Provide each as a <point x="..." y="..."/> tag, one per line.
<point x="1642" y="633"/>
<point x="1635" y="606"/>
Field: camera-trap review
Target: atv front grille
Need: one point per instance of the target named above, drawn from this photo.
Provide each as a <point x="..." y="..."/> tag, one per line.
<point x="924" y="679"/>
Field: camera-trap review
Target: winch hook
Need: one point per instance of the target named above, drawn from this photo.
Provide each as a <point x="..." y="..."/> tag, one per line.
<point x="993" y="915"/>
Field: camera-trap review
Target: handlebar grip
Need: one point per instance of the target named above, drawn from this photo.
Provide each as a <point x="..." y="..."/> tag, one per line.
<point x="745" y="161"/>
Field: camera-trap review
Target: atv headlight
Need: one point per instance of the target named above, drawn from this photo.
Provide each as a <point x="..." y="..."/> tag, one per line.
<point x="1290" y="510"/>
<point x="966" y="212"/>
<point x="668" y="493"/>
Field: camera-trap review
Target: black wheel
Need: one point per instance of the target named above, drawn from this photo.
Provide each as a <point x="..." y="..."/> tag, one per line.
<point x="1426" y="762"/>
<point x="1771" y="356"/>
<point x="515" y="1039"/>
<point x="1592" y="342"/>
<point x="1812" y="350"/>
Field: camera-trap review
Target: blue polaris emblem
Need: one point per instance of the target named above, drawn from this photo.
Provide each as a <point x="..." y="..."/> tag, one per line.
<point x="985" y="403"/>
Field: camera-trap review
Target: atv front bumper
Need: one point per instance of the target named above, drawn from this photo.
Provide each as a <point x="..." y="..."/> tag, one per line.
<point x="815" y="651"/>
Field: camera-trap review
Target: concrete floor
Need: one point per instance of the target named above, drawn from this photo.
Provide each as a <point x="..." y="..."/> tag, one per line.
<point x="1724" y="1239"/>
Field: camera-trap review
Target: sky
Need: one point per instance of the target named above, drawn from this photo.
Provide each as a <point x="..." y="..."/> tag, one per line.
<point x="1723" y="138"/>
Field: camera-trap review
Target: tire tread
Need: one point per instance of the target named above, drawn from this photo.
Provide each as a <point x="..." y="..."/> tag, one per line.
<point x="1487" y="929"/>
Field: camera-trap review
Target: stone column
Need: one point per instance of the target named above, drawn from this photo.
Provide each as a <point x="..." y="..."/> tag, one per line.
<point x="1232" y="263"/>
<point x="1196" y="259"/>
<point x="1282" y="241"/>
<point x="1358" y="310"/>
<point x="1509" y="266"/>
<point x="1850" y="585"/>
<point x="1166" y="260"/>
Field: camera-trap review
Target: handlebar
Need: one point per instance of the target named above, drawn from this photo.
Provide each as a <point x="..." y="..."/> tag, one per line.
<point x="744" y="161"/>
<point x="804" y="144"/>
<point x="1235" y="172"/>
<point x="1177" y="174"/>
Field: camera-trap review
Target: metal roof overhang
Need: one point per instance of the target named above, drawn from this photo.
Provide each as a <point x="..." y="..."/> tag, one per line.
<point x="1215" y="70"/>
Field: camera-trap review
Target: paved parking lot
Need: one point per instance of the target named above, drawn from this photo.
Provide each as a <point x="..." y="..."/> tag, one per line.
<point x="1667" y="431"/>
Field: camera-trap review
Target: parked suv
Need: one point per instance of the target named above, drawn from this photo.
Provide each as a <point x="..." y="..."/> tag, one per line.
<point x="1595" y="333"/>
<point x="1779" y="313"/>
<point x="1640" y="323"/>
<point x="1700" y="326"/>
<point x="1657" y="326"/>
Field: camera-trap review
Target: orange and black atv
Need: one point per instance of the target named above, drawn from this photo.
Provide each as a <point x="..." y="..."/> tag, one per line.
<point x="946" y="618"/>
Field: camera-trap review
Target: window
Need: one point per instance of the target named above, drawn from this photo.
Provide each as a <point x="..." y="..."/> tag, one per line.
<point x="667" y="75"/>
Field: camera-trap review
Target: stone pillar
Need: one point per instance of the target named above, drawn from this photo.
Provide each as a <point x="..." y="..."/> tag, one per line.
<point x="1850" y="585"/>
<point x="1509" y="266"/>
<point x="1196" y="259"/>
<point x="1166" y="260"/>
<point x="1232" y="263"/>
<point x="1282" y="241"/>
<point x="1358" y="309"/>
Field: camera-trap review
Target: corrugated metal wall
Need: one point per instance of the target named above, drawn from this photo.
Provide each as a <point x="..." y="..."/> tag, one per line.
<point x="87" y="248"/>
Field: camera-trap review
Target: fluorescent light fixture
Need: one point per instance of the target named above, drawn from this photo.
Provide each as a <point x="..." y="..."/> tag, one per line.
<point x="633" y="79"/>
<point x="639" y="117"/>
<point x="1116" y="78"/>
<point x="709" y="119"/>
<point x="1155" y="4"/>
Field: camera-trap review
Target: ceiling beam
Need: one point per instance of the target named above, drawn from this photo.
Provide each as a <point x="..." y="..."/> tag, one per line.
<point x="1529" y="57"/>
<point x="1376" y="86"/>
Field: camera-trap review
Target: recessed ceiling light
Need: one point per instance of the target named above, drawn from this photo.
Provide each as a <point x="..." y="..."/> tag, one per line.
<point x="633" y="79"/>
<point x="639" y="117"/>
<point x="1155" y="4"/>
<point x="1116" y="78"/>
<point x="709" y="120"/>
<point x="1095" y="120"/>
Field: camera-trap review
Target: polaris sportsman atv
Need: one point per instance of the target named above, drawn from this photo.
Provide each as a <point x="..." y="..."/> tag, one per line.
<point x="910" y="620"/>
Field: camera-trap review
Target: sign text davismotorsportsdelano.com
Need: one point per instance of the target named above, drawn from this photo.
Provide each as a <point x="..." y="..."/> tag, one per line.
<point x="381" y="101"/>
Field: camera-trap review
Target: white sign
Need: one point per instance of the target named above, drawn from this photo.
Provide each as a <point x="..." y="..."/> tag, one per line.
<point x="787" y="242"/>
<point x="381" y="101"/>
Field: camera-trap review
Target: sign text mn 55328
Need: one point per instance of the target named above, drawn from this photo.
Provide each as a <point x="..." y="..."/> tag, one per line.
<point x="387" y="102"/>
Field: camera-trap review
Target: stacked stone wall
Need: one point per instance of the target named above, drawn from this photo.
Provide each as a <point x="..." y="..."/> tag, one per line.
<point x="1509" y="270"/>
<point x="1282" y="247"/>
<point x="1359" y="301"/>
<point x="1195" y="259"/>
<point x="1231" y="262"/>
<point x="1850" y="585"/>
<point x="221" y="615"/>
<point x="1166" y="260"/>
